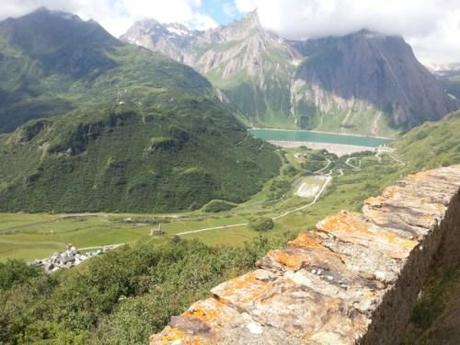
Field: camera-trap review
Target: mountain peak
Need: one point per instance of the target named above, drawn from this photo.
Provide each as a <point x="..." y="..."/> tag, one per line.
<point x="44" y="24"/>
<point x="62" y="42"/>
<point x="43" y="11"/>
<point x="253" y="15"/>
<point x="179" y="29"/>
<point x="367" y="33"/>
<point x="251" y="18"/>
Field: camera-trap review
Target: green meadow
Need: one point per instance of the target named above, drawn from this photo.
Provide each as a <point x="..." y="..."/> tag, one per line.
<point x="32" y="236"/>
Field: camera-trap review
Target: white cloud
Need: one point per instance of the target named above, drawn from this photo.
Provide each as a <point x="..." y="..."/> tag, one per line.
<point x="167" y="11"/>
<point x="431" y="26"/>
<point x="117" y="15"/>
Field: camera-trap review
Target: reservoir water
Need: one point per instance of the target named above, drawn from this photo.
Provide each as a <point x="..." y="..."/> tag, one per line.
<point x="317" y="137"/>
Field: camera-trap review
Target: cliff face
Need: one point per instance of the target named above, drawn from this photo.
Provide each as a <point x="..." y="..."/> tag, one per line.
<point x="378" y="69"/>
<point x="354" y="280"/>
<point x="365" y="82"/>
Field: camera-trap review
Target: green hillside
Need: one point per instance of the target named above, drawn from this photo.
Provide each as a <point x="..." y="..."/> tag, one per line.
<point x="432" y="144"/>
<point x="119" y="128"/>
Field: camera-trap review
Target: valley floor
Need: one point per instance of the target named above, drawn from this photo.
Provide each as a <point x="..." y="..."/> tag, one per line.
<point x="32" y="236"/>
<point x="338" y="149"/>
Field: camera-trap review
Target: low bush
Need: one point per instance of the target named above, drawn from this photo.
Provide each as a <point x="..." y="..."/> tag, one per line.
<point x="262" y="224"/>
<point x="121" y="297"/>
<point x="215" y="206"/>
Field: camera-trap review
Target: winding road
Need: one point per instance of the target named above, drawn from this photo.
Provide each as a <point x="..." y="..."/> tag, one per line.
<point x="301" y="208"/>
<point x="355" y="167"/>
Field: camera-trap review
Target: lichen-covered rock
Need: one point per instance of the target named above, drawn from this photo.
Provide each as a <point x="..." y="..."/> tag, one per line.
<point x="353" y="280"/>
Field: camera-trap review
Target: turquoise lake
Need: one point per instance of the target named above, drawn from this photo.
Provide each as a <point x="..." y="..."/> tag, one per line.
<point x="299" y="135"/>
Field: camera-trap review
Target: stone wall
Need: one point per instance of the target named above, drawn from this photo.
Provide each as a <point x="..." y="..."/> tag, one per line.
<point x="353" y="280"/>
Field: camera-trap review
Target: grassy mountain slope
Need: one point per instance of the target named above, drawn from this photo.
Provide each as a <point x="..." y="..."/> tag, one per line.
<point x="141" y="133"/>
<point x="433" y="144"/>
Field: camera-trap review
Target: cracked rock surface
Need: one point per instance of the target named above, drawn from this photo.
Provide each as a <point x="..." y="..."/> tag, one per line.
<point x="352" y="280"/>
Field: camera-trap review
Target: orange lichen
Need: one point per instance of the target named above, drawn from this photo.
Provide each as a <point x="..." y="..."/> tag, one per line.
<point x="211" y="311"/>
<point x="391" y="192"/>
<point x="241" y="290"/>
<point x="306" y="240"/>
<point x="291" y="261"/>
<point x="345" y="221"/>
<point x="171" y="334"/>
<point x="202" y="314"/>
<point x="349" y="227"/>
<point x="241" y="282"/>
<point x="398" y="241"/>
<point x="374" y="201"/>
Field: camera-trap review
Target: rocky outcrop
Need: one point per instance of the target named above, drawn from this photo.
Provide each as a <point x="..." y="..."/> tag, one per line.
<point x="353" y="280"/>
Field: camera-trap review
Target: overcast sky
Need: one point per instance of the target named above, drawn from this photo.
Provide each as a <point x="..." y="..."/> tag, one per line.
<point x="432" y="27"/>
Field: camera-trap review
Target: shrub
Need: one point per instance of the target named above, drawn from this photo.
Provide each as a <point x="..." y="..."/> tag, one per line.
<point x="215" y="206"/>
<point x="262" y="224"/>
<point x="15" y="272"/>
<point x="421" y="134"/>
<point x="291" y="171"/>
<point x="120" y="297"/>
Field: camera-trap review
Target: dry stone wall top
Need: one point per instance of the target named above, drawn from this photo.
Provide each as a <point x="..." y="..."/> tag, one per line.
<point x="352" y="280"/>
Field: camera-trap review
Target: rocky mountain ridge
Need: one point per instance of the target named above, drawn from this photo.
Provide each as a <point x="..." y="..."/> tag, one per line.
<point x="364" y="82"/>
